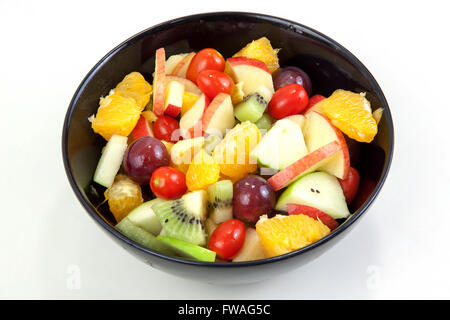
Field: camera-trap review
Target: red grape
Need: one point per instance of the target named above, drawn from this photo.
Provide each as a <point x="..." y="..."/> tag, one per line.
<point x="290" y="75"/>
<point x="144" y="156"/>
<point x="252" y="197"/>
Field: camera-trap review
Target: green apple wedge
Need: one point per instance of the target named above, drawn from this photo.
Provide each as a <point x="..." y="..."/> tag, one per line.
<point x="144" y="217"/>
<point x="110" y="161"/>
<point x="282" y="145"/>
<point x="143" y="237"/>
<point x="319" y="190"/>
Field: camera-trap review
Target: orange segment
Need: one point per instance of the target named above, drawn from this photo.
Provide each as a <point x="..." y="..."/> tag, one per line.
<point x="116" y="115"/>
<point x="284" y="234"/>
<point x="134" y="86"/>
<point x="202" y="172"/>
<point x="351" y="113"/>
<point x="123" y="196"/>
<point x="183" y="152"/>
<point x="237" y="95"/>
<point x="189" y="99"/>
<point x="262" y="50"/>
<point x="233" y="152"/>
<point x="149" y="116"/>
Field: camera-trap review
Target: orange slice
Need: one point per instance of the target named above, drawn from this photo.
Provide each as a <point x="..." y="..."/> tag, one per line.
<point x="202" y="172"/>
<point x="284" y="234"/>
<point x="123" y="196"/>
<point x="351" y="113"/>
<point x="134" y="86"/>
<point x="233" y="152"/>
<point x="116" y="115"/>
<point x="189" y="99"/>
<point x="237" y="95"/>
<point x="262" y="50"/>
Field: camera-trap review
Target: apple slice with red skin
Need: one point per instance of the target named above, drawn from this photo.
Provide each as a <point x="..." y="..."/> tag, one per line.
<point x="173" y="98"/>
<point x="318" y="131"/>
<point x="219" y="116"/>
<point x="142" y="129"/>
<point x="315" y="99"/>
<point x="191" y="121"/>
<point x="159" y="82"/>
<point x="173" y="61"/>
<point x="299" y="119"/>
<point x="253" y="73"/>
<point x="182" y="66"/>
<point x="307" y="164"/>
<point x="189" y="86"/>
<point x="172" y="110"/>
<point x="314" y="213"/>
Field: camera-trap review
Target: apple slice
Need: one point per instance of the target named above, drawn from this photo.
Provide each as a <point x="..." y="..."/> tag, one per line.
<point x="314" y="213"/>
<point x="189" y="86"/>
<point x="218" y="117"/>
<point x="251" y="249"/>
<point x="142" y="129"/>
<point x="184" y="151"/>
<point x="298" y="119"/>
<point x="110" y="160"/>
<point x="313" y="104"/>
<point x="173" y="98"/>
<point x="281" y="146"/>
<point x="159" y="82"/>
<point x="307" y="164"/>
<point x="253" y="73"/>
<point x="173" y="61"/>
<point x="319" y="190"/>
<point x="191" y="121"/>
<point x="318" y="132"/>
<point x="144" y="217"/>
<point x="182" y="66"/>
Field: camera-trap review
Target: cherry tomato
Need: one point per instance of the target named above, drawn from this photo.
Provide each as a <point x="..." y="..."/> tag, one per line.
<point x="350" y="185"/>
<point x="164" y="128"/>
<point x="205" y="59"/>
<point x="213" y="82"/>
<point x="288" y="100"/>
<point x="227" y="239"/>
<point x="168" y="183"/>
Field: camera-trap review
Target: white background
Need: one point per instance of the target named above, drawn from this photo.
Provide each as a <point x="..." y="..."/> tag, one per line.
<point x="400" y="249"/>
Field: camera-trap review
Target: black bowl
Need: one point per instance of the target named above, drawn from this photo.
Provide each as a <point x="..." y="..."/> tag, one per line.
<point x="330" y="67"/>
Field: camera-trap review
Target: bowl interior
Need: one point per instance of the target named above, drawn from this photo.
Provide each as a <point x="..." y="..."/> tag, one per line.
<point x="328" y="64"/>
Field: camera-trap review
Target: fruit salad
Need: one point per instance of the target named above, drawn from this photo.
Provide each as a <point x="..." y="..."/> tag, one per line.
<point x="228" y="159"/>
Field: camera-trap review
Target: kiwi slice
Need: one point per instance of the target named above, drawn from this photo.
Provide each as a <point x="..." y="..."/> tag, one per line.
<point x="184" y="218"/>
<point x="220" y="198"/>
<point x="189" y="250"/>
<point x="251" y="108"/>
<point x="139" y="235"/>
<point x="265" y="122"/>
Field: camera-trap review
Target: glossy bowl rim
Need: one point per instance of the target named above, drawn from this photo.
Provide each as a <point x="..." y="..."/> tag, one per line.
<point x="282" y="23"/>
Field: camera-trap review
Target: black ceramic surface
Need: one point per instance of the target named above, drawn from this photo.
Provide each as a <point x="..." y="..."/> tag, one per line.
<point x="330" y="67"/>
